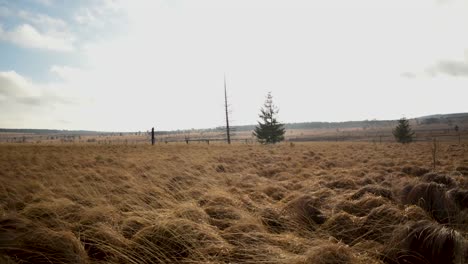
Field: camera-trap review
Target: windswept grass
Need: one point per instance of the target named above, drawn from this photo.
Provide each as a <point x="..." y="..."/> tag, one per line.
<point x="299" y="203"/>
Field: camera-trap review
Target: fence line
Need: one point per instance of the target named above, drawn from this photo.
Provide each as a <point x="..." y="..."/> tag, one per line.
<point x="360" y="136"/>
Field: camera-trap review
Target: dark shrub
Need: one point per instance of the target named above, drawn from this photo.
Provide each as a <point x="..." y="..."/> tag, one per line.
<point x="459" y="197"/>
<point x="432" y="198"/>
<point x="425" y="242"/>
<point x="440" y="178"/>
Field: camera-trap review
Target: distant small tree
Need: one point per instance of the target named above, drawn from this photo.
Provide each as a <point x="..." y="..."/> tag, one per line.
<point x="403" y="132"/>
<point x="269" y="130"/>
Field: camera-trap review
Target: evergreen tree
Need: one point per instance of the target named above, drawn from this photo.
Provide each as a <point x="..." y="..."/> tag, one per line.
<point x="402" y="131"/>
<point x="269" y="130"/>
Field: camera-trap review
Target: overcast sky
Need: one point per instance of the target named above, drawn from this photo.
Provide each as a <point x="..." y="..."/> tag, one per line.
<point x="128" y="65"/>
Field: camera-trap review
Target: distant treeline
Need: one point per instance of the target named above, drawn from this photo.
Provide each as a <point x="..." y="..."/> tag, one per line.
<point x="46" y="131"/>
<point x="450" y="119"/>
<point x="328" y="125"/>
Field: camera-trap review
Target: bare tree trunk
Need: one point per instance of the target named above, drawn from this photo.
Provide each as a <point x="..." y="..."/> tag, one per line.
<point x="227" y="114"/>
<point x="434" y="148"/>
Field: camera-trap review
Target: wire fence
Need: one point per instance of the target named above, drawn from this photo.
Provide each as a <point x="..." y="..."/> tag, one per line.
<point x="422" y="135"/>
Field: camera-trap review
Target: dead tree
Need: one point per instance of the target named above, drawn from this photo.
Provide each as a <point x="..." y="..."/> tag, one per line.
<point x="434" y="148"/>
<point x="228" y="133"/>
<point x="457" y="130"/>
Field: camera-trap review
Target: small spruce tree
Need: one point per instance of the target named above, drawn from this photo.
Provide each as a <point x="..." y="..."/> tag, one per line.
<point x="269" y="130"/>
<point x="403" y="132"/>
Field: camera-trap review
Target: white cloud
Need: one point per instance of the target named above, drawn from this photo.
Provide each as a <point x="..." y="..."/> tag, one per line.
<point x="36" y="30"/>
<point x="25" y="104"/>
<point x="100" y="19"/>
<point x="44" y="2"/>
<point x="27" y="36"/>
<point x="324" y="59"/>
<point x="321" y="63"/>
<point x="19" y="89"/>
<point x="14" y="85"/>
<point x="85" y="16"/>
<point x="67" y="73"/>
<point x="43" y="22"/>
<point x="450" y="67"/>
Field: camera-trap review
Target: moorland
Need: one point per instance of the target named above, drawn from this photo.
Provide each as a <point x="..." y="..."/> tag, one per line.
<point x="328" y="202"/>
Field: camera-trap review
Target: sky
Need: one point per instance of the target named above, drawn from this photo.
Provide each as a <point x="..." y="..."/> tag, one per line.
<point x="129" y="65"/>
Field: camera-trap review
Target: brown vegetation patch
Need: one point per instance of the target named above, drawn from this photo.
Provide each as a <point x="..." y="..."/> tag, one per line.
<point x="460" y="197"/>
<point x="222" y="213"/>
<point x="248" y="235"/>
<point x="284" y="176"/>
<point x="381" y="222"/>
<point x="168" y="204"/>
<point x="273" y="220"/>
<point x="344" y="183"/>
<point x="176" y="241"/>
<point x="370" y="250"/>
<point x="100" y="214"/>
<point x="103" y="244"/>
<point x="132" y="225"/>
<point x="259" y="197"/>
<point x="344" y="227"/>
<point x="414" y="170"/>
<point x="256" y="254"/>
<point x="327" y="164"/>
<point x="330" y="253"/>
<point x="22" y="241"/>
<point x="363" y="206"/>
<point x="446" y="180"/>
<point x="366" y="181"/>
<point x="432" y="198"/>
<point x="181" y="182"/>
<point x="375" y="190"/>
<point x="426" y="242"/>
<point x="275" y="192"/>
<point x="303" y="211"/>
<point x="291" y="243"/>
<point x="462" y="169"/>
<point x="220" y="168"/>
<point x="222" y="217"/>
<point x="416" y="213"/>
<point x="269" y="171"/>
<point x="192" y="212"/>
<point x="218" y="199"/>
<point x="54" y="213"/>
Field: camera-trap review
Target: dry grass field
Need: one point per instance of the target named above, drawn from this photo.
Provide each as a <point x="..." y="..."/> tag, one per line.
<point x="297" y="203"/>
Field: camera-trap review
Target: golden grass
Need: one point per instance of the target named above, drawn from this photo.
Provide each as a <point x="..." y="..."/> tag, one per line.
<point x="197" y="203"/>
